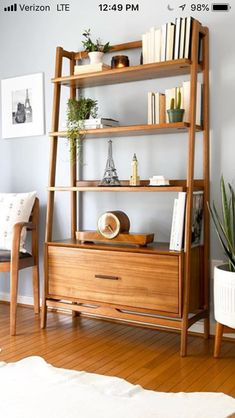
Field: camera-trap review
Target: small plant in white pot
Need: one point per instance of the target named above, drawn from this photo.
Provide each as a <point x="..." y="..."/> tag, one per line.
<point x="224" y="275"/>
<point x="96" y="49"/>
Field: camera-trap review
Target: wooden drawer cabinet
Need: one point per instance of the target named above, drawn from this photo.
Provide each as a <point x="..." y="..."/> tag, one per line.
<point x="134" y="280"/>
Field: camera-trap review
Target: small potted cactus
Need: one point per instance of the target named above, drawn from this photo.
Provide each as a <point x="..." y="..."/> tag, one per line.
<point x="175" y="113"/>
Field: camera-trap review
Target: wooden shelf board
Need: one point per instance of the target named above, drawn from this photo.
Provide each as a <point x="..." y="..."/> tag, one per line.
<point x="127" y="74"/>
<point x="155" y="247"/>
<point x="117" y="189"/>
<point x="93" y="186"/>
<point x="132" y="130"/>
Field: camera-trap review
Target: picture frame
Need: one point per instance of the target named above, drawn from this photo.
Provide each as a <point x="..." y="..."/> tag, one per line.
<point x="23" y="106"/>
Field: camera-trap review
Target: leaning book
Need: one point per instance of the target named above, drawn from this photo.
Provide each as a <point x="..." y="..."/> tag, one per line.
<point x="178" y="220"/>
<point x="197" y="219"/>
<point x="177" y="239"/>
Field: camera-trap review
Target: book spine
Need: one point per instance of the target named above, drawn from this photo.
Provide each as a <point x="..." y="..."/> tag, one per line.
<point x="153" y="108"/>
<point x="144" y="48"/>
<point x="150" y="121"/>
<point x="173" y="226"/>
<point x="162" y="108"/>
<point x="157" y="108"/>
<point x="151" y="44"/>
<point x="170" y="41"/>
<point x="186" y="102"/>
<point x="163" y="41"/>
<point x="180" y="221"/>
<point x="148" y="47"/>
<point x="157" y="46"/>
<point x="199" y="104"/>
<point x="177" y="37"/>
<point x="188" y="36"/>
<point x="182" y="38"/>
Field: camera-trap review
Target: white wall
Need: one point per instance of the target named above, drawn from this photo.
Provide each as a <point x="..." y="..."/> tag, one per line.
<point x="27" y="45"/>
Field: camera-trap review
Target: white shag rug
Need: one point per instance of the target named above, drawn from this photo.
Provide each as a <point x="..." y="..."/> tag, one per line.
<point x="32" y="388"/>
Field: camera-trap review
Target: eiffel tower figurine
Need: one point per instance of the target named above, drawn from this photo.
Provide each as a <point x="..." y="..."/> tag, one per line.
<point x="110" y="177"/>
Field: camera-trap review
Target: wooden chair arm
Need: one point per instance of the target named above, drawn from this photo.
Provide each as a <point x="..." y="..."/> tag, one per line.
<point x="17" y="228"/>
<point x="20" y="225"/>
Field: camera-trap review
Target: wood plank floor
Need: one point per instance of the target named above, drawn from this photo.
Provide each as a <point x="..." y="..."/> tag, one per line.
<point x="144" y="356"/>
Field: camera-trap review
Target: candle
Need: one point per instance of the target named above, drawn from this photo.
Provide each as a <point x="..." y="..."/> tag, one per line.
<point x="120" y="61"/>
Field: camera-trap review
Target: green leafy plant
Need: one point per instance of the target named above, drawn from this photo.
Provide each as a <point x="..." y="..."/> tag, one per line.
<point x="91" y="46"/>
<point x="225" y="223"/>
<point x="77" y="111"/>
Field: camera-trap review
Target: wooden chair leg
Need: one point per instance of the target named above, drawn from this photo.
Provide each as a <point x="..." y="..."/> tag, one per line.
<point x="13" y="300"/>
<point x="36" y="289"/>
<point x="218" y="339"/>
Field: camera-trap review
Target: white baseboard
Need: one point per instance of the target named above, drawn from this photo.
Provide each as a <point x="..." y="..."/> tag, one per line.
<point x="198" y="327"/>
<point x="25" y="300"/>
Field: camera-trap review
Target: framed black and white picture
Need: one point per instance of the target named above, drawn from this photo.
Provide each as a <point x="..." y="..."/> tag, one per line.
<point x="22" y="106"/>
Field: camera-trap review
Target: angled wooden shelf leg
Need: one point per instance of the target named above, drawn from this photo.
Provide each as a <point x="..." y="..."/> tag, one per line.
<point x="206" y="175"/>
<point x="190" y="177"/>
<point x="52" y="171"/>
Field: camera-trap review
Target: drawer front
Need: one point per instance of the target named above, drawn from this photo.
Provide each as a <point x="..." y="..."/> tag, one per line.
<point x="135" y="280"/>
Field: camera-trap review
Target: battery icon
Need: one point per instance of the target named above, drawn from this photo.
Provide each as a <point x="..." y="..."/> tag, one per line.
<point x="220" y="7"/>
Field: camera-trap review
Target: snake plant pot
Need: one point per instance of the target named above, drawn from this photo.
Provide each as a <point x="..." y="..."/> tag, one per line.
<point x="224" y="295"/>
<point x="175" y="115"/>
<point x="95" y="57"/>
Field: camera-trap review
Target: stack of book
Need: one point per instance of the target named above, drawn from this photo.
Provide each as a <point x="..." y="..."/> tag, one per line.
<point x="159" y="103"/>
<point x="171" y="41"/>
<point x="97" y="123"/>
<point x="90" y="68"/>
<point x="178" y="221"/>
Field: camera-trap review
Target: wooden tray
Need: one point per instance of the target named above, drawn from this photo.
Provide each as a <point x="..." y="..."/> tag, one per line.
<point x="124" y="238"/>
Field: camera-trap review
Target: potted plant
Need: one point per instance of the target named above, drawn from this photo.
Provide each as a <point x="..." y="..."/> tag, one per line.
<point x="95" y="49"/>
<point x="77" y="111"/>
<point x="175" y="113"/>
<point x="224" y="275"/>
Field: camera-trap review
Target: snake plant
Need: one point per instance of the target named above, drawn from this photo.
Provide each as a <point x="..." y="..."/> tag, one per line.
<point x="225" y="222"/>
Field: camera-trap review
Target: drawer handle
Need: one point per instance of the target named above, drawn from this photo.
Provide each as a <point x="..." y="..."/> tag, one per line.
<point x="104" y="276"/>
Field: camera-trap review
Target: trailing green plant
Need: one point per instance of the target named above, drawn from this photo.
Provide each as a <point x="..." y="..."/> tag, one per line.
<point x="77" y="111"/>
<point x="225" y="223"/>
<point x="178" y="101"/>
<point x="91" y="46"/>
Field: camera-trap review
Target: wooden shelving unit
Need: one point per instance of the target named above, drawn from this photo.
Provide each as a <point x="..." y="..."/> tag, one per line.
<point x="150" y="285"/>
